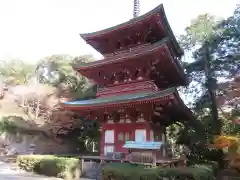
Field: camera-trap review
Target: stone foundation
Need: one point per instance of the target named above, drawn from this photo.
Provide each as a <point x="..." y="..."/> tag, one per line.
<point x="24" y="143"/>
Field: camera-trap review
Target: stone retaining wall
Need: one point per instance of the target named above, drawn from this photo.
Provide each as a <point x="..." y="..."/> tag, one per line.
<point x="26" y="143"/>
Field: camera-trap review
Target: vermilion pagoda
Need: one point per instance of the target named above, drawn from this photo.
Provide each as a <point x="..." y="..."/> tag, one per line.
<point x="138" y="78"/>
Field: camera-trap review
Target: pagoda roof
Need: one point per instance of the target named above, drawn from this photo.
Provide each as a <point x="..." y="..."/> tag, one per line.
<point x="129" y="55"/>
<point x="179" y="110"/>
<point x="124" y="99"/>
<point x="125" y="55"/>
<point x="91" y="38"/>
<point x="142" y="56"/>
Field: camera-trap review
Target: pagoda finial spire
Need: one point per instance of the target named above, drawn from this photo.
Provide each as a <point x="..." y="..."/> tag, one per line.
<point x="136" y="8"/>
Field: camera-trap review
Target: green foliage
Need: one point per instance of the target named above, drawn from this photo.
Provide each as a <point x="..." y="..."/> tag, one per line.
<point x="7" y="126"/>
<point x="84" y="134"/>
<point x="223" y="45"/>
<point x="230" y="128"/>
<point x="57" y="70"/>
<point x="132" y="172"/>
<point x="197" y="141"/>
<point x="215" y="44"/>
<point x="64" y="82"/>
<point x="211" y="167"/>
<point x="201" y="29"/>
<point x="15" y="72"/>
<point x="49" y="165"/>
<point x="174" y="130"/>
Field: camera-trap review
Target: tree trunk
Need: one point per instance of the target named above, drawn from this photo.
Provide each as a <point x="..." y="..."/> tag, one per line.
<point x="211" y="91"/>
<point x="211" y="87"/>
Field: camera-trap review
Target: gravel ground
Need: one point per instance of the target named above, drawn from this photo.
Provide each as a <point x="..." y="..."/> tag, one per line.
<point x="9" y="172"/>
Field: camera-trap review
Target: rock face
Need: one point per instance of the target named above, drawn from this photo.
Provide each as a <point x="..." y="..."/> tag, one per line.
<point x="38" y="143"/>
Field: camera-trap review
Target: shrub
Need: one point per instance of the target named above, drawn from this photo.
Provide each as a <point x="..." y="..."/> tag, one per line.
<point x="210" y="167"/>
<point x="29" y="162"/>
<point x="50" y="165"/>
<point x="131" y="172"/>
<point x="7" y="126"/>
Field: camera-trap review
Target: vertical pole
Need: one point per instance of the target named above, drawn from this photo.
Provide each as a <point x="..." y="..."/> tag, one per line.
<point x="82" y="164"/>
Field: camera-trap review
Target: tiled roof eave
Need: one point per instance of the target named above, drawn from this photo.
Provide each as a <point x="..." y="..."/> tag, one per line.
<point x="183" y="106"/>
<point x="158" y="10"/>
<point x="168" y="29"/>
<point x="119" y="104"/>
<point x="150" y="49"/>
<point x="160" y="96"/>
<point x="88" y="36"/>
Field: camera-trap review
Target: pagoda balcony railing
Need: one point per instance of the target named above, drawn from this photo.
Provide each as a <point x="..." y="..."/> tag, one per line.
<point x="136" y="49"/>
<point x="121" y="53"/>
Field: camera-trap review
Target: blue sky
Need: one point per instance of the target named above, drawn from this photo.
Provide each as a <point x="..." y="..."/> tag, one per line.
<point x="33" y="29"/>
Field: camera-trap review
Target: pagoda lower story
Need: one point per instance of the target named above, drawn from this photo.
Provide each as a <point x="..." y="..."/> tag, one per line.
<point x="137" y="117"/>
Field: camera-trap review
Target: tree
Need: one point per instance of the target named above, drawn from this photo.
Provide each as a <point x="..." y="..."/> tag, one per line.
<point x="230" y="93"/>
<point x="224" y="50"/>
<point x="39" y="106"/>
<point x="33" y="99"/>
<point x="222" y="46"/>
<point x="57" y="70"/>
<point x="201" y="28"/>
<point x="228" y="103"/>
<point x="215" y="43"/>
<point x="14" y="72"/>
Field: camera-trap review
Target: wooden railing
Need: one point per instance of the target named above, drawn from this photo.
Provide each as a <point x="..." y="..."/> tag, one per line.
<point x="141" y="158"/>
<point x="126" y="51"/>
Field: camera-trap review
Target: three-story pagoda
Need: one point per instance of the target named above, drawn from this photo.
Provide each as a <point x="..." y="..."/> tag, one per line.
<point x="138" y="78"/>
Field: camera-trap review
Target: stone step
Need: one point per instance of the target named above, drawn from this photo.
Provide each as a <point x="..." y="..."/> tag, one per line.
<point x="91" y="170"/>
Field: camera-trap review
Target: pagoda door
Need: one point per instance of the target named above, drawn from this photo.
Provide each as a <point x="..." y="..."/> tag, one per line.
<point x="109" y="142"/>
